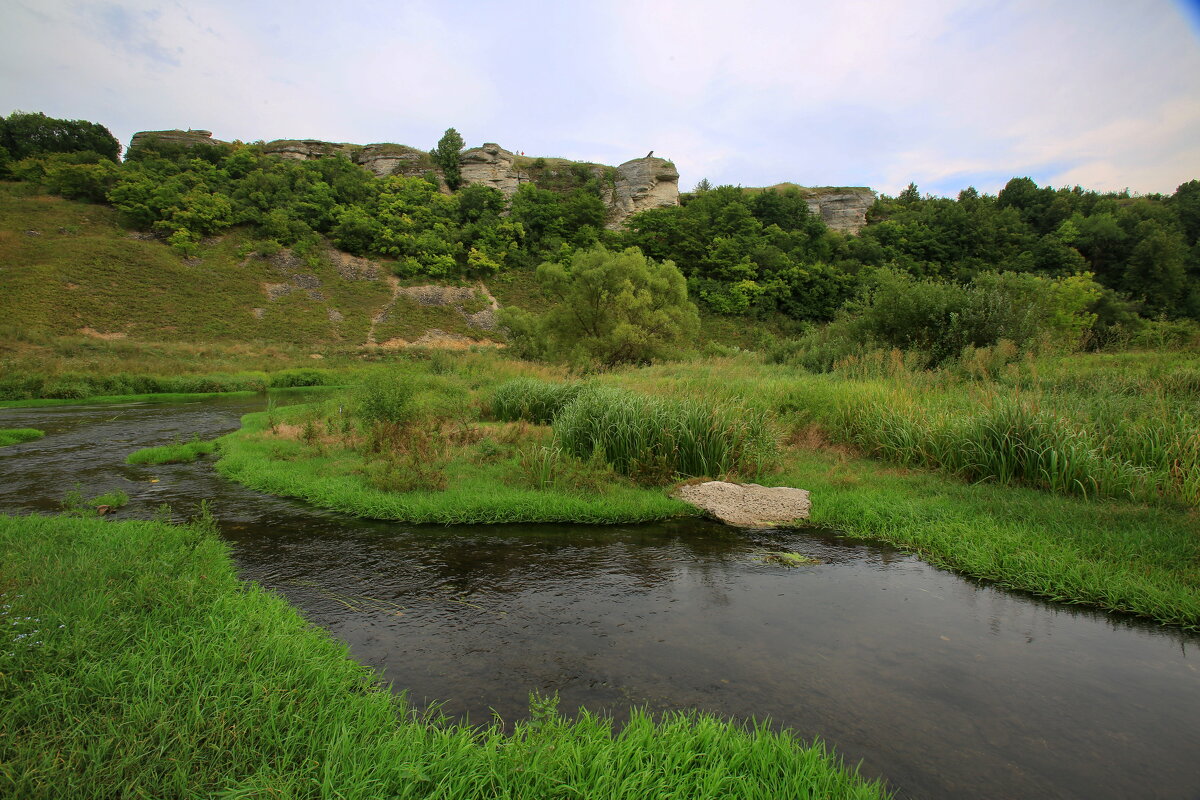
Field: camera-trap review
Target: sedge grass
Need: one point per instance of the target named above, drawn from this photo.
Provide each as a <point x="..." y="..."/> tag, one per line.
<point x="178" y="453"/>
<point x="19" y="435"/>
<point x="532" y="400"/>
<point x="147" y="669"/>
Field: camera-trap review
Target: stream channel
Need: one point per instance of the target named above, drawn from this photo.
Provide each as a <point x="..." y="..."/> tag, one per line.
<point x="944" y="687"/>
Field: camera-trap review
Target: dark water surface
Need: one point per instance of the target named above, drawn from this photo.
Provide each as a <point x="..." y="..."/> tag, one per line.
<point x="945" y="688"/>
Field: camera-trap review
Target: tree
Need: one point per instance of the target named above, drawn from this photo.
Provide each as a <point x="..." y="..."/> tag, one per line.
<point x="612" y="308"/>
<point x="445" y="155"/>
<point x="23" y="134"/>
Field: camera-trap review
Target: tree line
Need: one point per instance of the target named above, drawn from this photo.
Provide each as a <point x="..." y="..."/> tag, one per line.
<point x="742" y="252"/>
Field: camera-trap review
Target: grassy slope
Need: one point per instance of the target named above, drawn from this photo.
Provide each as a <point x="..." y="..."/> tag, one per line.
<point x="139" y="666"/>
<point x="83" y="271"/>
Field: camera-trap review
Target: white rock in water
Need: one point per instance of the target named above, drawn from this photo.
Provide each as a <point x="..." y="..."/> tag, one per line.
<point x="747" y="505"/>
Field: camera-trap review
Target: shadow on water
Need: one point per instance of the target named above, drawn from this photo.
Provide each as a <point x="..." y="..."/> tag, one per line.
<point x="944" y="687"/>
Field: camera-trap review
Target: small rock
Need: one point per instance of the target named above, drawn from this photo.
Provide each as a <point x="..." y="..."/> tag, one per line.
<point x="747" y="505"/>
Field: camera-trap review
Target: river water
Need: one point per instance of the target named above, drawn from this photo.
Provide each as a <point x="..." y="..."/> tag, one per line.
<point x="944" y="687"/>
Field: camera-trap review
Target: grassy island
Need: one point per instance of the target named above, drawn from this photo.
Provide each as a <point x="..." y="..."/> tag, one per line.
<point x="963" y="469"/>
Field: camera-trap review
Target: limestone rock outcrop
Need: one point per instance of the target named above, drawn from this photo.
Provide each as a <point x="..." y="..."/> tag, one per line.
<point x="382" y="158"/>
<point x="385" y="158"/>
<point x="636" y="185"/>
<point x="643" y="183"/>
<point x="747" y="505"/>
<point x="490" y="165"/>
<point x="188" y="137"/>
<point x="841" y="209"/>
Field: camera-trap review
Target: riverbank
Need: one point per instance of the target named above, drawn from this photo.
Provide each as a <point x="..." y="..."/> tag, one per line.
<point x="1022" y="531"/>
<point x="138" y="660"/>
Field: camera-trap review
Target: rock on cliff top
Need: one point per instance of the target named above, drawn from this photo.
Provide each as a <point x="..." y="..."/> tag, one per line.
<point x="643" y="183"/>
<point x="188" y="137"/>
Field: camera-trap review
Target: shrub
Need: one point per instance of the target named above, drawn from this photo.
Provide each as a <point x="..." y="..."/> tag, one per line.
<point x="612" y="308"/>
<point x="385" y="397"/>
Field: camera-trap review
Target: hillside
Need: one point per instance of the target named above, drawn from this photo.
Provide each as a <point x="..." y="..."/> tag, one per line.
<point x="68" y="268"/>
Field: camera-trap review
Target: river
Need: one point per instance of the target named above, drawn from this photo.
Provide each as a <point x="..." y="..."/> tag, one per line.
<point x="944" y="687"/>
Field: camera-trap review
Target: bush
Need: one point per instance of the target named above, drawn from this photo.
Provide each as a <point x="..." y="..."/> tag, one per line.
<point x="612" y="308"/>
<point x="385" y="397"/>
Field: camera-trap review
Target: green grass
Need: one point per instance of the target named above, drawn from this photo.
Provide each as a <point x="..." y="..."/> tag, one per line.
<point x="479" y="489"/>
<point x="82" y="272"/>
<point x="671" y="437"/>
<point x="532" y="400"/>
<point x="18" y="435"/>
<point x="140" y="666"/>
<point x="178" y="453"/>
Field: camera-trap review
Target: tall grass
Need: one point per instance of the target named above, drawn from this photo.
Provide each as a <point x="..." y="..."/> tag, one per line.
<point x="144" y="668"/>
<point x="532" y="400"/>
<point x="658" y="438"/>
<point x="80" y="385"/>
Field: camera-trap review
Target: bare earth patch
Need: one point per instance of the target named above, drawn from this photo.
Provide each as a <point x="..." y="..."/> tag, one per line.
<point x="747" y="505"/>
<point x="95" y="334"/>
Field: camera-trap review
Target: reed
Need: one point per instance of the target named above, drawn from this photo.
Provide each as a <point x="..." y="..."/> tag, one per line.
<point x="658" y="438"/>
<point x="532" y="400"/>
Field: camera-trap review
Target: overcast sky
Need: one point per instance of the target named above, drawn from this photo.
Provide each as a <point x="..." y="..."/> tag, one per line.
<point x="1101" y="93"/>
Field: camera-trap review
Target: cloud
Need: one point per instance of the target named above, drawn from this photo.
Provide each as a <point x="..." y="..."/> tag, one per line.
<point x="937" y="92"/>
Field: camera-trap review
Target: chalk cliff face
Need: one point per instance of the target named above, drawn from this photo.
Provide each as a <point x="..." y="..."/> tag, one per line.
<point x="643" y="183"/>
<point x="490" y="165"/>
<point x="383" y="158"/>
<point x="842" y="209"/>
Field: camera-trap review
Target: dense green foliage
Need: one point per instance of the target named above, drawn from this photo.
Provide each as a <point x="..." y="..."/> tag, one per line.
<point x="445" y="155"/>
<point x="742" y="252"/>
<point x="33" y="134"/>
<point x="609" y="309"/>
<point x="119" y="640"/>
<point x="659" y="439"/>
<point x="532" y="400"/>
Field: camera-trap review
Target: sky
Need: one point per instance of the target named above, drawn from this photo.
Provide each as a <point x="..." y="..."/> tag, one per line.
<point x="1099" y="93"/>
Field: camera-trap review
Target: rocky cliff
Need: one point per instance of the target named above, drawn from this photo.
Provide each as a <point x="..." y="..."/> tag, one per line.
<point x="841" y="208"/>
<point x="188" y="137"/>
<point x="490" y="165"/>
<point x="634" y="186"/>
<point x="383" y="158"/>
<point x="643" y="183"/>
